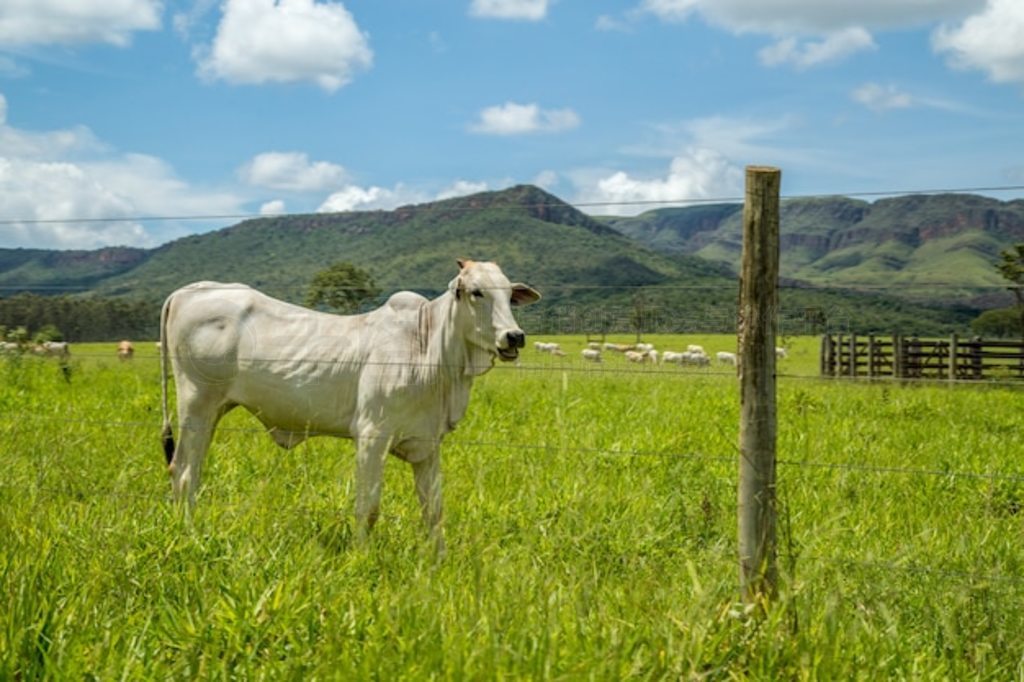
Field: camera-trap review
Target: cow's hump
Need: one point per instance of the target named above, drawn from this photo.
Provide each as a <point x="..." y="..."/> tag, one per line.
<point x="406" y="300"/>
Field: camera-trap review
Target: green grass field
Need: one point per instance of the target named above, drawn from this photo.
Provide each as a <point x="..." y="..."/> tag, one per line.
<point x="591" y="524"/>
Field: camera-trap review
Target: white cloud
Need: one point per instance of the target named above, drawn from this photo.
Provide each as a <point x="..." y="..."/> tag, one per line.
<point x="607" y="22"/>
<point x="991" y="41"/>
<point x="67" y="22"/>
<point x="881" y="97"/>
<point x="814" y="17"/>
<point x="832" y="48"/>
<point x="520" y="119"/>
<point x="356" y="198"/>
<point x="704" y="157"/>
<point x="12" y="69"/>
<point x="810" y="32"/>
<point x="286" y="41"/>
<point x="275" y="207"/>
<point x="71" y="181"/>
<point x="670" y="10"/>
<point x="528" y="10"/>
<point x="461" y="188"/>
<point x="291" y="172"/>
<point x="698" y="173"/>
<point x="546" y="179"/>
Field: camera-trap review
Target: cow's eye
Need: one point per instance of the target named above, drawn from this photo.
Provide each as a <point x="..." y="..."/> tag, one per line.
<point x="476" y="293"/>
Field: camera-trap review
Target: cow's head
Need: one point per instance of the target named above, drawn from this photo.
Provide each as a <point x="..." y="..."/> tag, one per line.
<point x="485" y="298"/>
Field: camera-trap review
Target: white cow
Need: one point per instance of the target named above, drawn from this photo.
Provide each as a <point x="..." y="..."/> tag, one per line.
<point x="671" y="356"/>
<point x="396" y="379"/>
<point x="592" y="354"/>
<point x="53" y="349"/>
<point x="548" y="347"/>
<point x="780" y="352"/>
<point x="637" y="356"/>
<point x="644" y="347"/>
<point x="694" y="348"/>
<point x="726" y="358"/>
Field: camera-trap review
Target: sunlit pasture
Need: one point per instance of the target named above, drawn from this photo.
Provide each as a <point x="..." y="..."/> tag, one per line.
<point x="590" y="512"/>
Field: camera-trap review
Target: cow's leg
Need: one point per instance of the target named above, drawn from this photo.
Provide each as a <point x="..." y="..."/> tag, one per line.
<point x="427" y="473"/>
<point x="198" y="415"/>
<point x="371" y="448"/>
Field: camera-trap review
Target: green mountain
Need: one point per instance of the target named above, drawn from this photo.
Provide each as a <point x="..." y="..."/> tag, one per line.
<point x="592" y="276"/>
<point x="923" y="247"/>
<point x="532" y="234"/>
<point x="56" y="271"/>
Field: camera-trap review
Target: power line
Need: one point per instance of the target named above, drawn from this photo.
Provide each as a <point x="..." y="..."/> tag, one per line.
<point x="435" y="206"/>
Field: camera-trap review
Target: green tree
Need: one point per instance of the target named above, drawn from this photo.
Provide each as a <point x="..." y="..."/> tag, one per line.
<point x="1001" y="322"/>
<point x="1011" y="267"/>
<point x="48" y="332"/>
<point x="341" y="288"/>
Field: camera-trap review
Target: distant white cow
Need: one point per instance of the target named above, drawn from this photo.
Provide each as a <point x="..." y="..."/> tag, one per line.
<point x="780" y="352"/>
<point x="9" y="348"/>
<point x="691" y="358"/>
<point x="637" y="356"/>
<point x="548" y="347"/>
<point x="671" y="356"/>
<point x="617" y="347"/>
<point x="644" y="347"/>
<point x="52" y="349"/>
<point x="591" y="354"/>
<point x="726" y="358"/>
<point x="594" y="345"/>
<point x="694" y="348"/>
<point x="395" y="379"/>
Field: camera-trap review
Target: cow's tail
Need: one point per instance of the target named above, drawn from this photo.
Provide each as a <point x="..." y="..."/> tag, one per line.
<point x="167" y="435"/>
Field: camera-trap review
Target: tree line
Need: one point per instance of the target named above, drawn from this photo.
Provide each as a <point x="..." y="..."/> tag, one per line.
<point x="79" y="319"/>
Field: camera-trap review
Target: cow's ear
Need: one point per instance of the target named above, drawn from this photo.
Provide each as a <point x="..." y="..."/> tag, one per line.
<point x="523" y="294"/>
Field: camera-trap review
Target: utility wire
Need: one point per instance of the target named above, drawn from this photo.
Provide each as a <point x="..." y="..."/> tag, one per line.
<point x="441" y="207"/>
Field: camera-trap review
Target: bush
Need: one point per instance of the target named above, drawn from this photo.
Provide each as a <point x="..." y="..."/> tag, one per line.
<point x="1004" y="322"/>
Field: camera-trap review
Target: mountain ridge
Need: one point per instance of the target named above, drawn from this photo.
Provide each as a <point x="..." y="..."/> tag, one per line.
<point x="590" y="272"/>
<point x="948" y="241"/>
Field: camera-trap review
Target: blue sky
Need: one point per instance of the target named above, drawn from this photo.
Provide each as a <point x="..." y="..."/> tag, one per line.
<point x="139" y="108"/>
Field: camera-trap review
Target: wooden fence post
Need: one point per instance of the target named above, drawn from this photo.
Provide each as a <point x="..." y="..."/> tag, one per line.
<point x="825" y="361"/>
<point x="758" y="326"/>
<point x="897" y="356"/>
<point x="853" y="355"/>
<point x="952" y="357"/>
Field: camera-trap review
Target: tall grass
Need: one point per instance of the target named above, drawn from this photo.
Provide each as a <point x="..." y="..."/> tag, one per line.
<point x="590" y="513"/>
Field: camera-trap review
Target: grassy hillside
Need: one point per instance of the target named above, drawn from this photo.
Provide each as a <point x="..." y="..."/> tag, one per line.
<point x="924" y="247"/>
<point x="64" y="270"/>
<point x="592" y="276"/>
<point x="531" y="234"/>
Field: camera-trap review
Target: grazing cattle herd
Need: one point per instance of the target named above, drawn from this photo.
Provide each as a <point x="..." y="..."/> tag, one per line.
<point x="640" y="353"/>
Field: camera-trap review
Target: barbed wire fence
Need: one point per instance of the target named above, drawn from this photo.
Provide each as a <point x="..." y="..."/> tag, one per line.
<point x="571" y="320"/>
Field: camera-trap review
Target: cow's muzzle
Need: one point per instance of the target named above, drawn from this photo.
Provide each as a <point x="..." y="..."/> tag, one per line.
<point x="514" y="340"/>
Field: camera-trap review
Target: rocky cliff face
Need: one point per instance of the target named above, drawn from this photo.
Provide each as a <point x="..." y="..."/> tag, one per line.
<point x="949" y="238"/>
